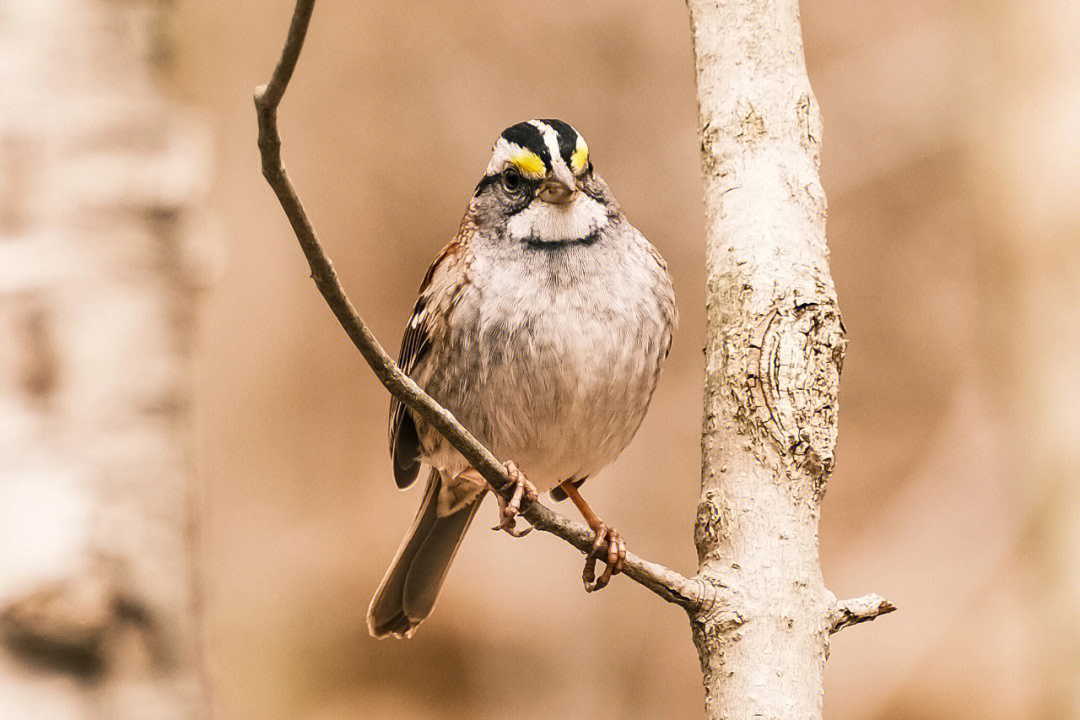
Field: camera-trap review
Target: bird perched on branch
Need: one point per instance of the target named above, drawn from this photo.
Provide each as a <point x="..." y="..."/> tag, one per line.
<point x="543" y="327"/>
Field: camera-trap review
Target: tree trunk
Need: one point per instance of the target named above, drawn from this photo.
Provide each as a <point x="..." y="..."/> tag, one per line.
<point x="98" y="172"/>
<point x="774" y="348"/>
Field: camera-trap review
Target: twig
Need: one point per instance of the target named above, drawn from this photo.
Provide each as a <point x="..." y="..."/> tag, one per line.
<point x="668" y="584"/>
<point x="858" y="610"/>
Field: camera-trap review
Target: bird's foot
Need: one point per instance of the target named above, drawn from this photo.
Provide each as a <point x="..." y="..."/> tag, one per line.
<point x="610" y="547"/>
<point x="510" y="509"/>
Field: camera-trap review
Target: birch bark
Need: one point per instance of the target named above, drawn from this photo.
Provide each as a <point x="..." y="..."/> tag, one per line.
<point x="99" y="171"/>
<point x="774" y="349"/>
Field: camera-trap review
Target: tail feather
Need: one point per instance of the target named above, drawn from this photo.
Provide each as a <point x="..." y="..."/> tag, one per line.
<point x="408" y="592"/>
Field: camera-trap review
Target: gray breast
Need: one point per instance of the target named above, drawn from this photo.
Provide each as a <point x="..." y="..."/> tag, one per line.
<point x="554" y="353"/>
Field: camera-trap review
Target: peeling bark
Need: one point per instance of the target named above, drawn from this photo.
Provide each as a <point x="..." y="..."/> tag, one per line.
<point x="774" y="351"/>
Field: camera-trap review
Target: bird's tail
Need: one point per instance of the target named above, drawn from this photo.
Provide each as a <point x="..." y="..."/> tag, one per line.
<point x="407" y="594"/>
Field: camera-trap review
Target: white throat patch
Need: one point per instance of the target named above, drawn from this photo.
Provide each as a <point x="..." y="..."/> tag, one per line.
<point x="548" y="222"/>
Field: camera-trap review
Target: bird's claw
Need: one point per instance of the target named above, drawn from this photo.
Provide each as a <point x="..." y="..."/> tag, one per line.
<point x="610" y="547"/>
<point x="510" y="509"/>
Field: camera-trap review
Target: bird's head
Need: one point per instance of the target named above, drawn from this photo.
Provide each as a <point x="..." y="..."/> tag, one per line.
<point x="540" y="181"/>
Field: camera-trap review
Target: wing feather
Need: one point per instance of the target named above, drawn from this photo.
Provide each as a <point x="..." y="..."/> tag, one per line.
<point x="405" y="447"/>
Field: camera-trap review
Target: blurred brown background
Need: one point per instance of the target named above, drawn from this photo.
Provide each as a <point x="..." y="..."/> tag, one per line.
<point x="951" y="163"/>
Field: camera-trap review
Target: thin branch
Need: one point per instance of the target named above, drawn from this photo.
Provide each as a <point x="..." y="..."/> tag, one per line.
<point x="858" y="610"/>
<point x="668" y="584"/>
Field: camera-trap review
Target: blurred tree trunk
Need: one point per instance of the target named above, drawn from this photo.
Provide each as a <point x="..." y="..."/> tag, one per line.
<point x="774" y="347"/>
<point x="98" y="172"/>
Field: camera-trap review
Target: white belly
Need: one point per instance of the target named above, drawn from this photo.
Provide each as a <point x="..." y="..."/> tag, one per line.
<point x="561" y="390"/>
<point x="553" y="365"/>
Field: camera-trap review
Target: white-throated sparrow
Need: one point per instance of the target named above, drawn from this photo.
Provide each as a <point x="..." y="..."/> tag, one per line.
<point x="543" y="327"/>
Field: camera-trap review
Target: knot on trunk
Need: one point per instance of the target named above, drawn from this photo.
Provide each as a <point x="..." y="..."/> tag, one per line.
<point x="791" y="385"/>
<point x="76" y="625"/>
<point x="716" y="624"/>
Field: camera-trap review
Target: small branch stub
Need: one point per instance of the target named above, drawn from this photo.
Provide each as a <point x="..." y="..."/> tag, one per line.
<point x="774" y="350"/>
<point x="858" y="610"/>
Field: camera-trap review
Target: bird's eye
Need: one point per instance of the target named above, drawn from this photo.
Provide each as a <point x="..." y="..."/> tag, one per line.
<point x="511" y="179"/>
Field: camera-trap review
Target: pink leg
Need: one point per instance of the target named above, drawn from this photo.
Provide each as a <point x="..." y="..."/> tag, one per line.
<point x="608" y="546"/>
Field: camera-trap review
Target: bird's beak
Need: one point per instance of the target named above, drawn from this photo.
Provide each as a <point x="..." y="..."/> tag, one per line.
<point x="558" y="187"/>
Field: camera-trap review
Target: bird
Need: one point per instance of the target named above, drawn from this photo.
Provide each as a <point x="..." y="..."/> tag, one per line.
<point x="543" y="327"/>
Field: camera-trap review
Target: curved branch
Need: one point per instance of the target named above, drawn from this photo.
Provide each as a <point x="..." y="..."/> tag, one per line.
<point x="668" y="584"/>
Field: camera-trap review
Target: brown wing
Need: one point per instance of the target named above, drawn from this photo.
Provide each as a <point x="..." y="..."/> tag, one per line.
<point x="404" y="439"/>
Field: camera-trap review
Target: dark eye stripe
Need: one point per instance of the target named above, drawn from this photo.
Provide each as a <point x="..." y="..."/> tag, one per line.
<point x="528" y="189"/>
<point x="484" y="182"/>
<point x="567" y="138"/>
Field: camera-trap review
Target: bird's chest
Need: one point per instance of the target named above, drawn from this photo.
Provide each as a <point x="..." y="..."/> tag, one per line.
<point x="561" y="372"/>
<point x="555" y="356"/>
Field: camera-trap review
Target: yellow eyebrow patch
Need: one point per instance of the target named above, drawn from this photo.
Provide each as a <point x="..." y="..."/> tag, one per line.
<point x="580" y="158"/>
<point x="529" y="163"/>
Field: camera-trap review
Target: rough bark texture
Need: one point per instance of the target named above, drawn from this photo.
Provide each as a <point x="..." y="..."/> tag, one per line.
<point x="774" y="349"/>
<point x="98" y="172"/>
